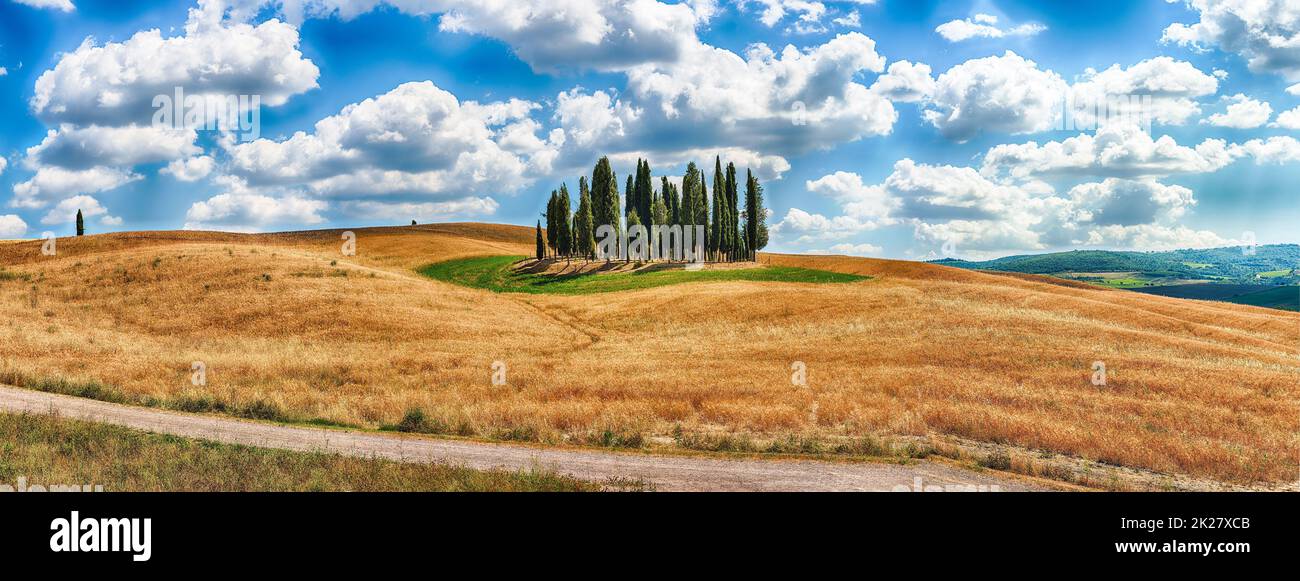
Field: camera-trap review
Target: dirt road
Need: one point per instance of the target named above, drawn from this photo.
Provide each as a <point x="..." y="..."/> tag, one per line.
<point x="670" y="473"/>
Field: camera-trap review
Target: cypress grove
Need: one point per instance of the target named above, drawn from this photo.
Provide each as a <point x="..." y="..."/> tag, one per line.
<point x="730" y="233"/>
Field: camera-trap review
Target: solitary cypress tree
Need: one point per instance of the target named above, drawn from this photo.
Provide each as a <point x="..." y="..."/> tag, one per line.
<point x="81" y="224"/>
<point x="541" y="244"/>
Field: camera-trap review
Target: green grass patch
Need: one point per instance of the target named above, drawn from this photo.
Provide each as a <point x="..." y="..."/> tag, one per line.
<point x="9" y="275"/>
<point x="1125" y="282"/>
<point x="1276" y="273"/>
<point x="496" y="273"/>
<point x="88" y="388"/>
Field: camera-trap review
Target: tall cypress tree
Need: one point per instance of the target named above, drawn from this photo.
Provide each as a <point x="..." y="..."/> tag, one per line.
<point x="716" y="243"/>
<point x="552" y="227"/>
<point x="755" y="216"/>
<point x="696" y="197"/>
<point x="659" y="210"/>
<point x="598" y="201"/>
<point x="634" y="219"/>
<point x="688" y="200"/>
<point x="604" y="197"/>
<point x="541" y="244"/>
<point x="645" y="194"/>
<point x="733" y="214"/>
<point x="565" y="236"/>
<point x="583" y="223"/>
<point x="629" y="192"/>
<point x="672" y="200"/>
<point x="81" y="224"/>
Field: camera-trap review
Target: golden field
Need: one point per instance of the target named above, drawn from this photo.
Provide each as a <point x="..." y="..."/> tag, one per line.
<point x="286" y="322"/>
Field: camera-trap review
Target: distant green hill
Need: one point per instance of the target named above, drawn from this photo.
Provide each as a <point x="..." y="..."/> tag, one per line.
<point x="1267" y="277"/>
<point x="1220" y="264"/>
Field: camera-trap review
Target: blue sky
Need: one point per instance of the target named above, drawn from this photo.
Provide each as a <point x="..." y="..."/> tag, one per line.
<point x="903" y="129"/>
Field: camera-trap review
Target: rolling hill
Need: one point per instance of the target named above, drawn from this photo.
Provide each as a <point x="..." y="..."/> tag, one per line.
<point x="290" y="329"/>
<point x="1221" y="274"/>
<point x="1228" y="264"/>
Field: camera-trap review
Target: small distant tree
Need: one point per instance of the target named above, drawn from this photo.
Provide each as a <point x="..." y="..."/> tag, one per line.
<point x="412" y="222"/>
<point x="541" y="242"/>
<point x="81" y="224"/>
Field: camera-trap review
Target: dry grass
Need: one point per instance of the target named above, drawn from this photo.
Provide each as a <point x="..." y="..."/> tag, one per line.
<point x="1198" y="388"/>
<point x="50" y="451"/>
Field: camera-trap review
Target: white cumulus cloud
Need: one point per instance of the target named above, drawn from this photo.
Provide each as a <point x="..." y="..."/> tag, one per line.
<point x="416" y="139"/>
<point x="51" y="184"/>
<point x="905" y="82"/>
<point x="65" y="212"/>
<point x="984" y="26"/>
<point x="252" y="212"/>
<point x="1242" y="113"/>
<point x="84" y="147"/>
<point x="1265" y="32"/>
<point x="1286" y="120"/>
<point x="60" y="5"/>
<point x="190" y="170"/>
<point x="12" y="226"/>
<point x="115" y="83"/>
<point x="1005" y="93"/>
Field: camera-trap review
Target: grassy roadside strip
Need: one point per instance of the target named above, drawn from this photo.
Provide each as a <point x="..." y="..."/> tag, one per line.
<point x="48" y="450"/>
<point x="1045" y="467"/>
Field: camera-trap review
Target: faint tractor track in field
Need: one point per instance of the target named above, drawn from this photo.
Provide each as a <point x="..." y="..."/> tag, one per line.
<point x="667" y="473"/>
<point x="564" y="318"/>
